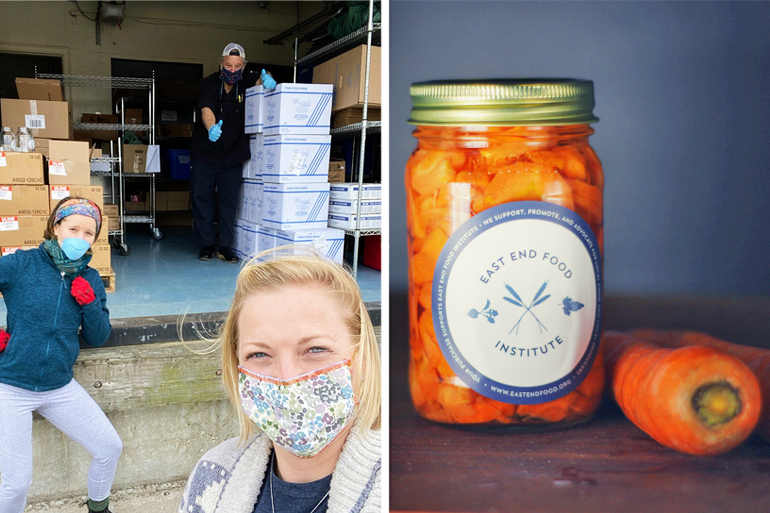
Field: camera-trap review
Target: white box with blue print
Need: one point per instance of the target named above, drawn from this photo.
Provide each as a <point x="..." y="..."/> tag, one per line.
<point x="252" y="168"/>
<point x="296" y="158"/>
<point x="329" y="242"/>
<point x="349" y="191"/>
<point x="304" y="109"/>
<point x="348" y="221"/>
<point x="250" y="198"/>
<point x="255" y="111"/>
<point x="295" y="206"/>
<point x="368" y="206"/>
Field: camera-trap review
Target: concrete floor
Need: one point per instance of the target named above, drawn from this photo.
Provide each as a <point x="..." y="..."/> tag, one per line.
<point x="165" y="277"/>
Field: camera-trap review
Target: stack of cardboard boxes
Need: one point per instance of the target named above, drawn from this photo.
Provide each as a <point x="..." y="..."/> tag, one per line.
<point x="32" y="184"/>
<point x="285" y="194"/>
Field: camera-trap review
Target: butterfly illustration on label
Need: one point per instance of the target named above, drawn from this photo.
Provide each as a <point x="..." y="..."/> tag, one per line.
<point x="570" y="305"/>
<point x="527" y="308"/>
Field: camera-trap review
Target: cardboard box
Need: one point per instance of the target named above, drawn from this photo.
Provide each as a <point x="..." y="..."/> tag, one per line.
<point x="291" y="206"/>
<point x="22" y="230"/>
<point x="353" y="115"/>
<point x="296" y="158"/>
<point x="69" y="163"/>
<point x="114" y="223"/>
<point x="94" y="135"/>
<point x="255" y="112"/>
<point x="49" y="120"/>
<point x="349" y="191"/>
<point x="336" y="170"/>
<point x="134" y="158"/>
<point x="177" y="205"/>
<point x="178" y="196"/>
<point x="348" y="221"/>
<point x="19" y="200"/>
<point x="9" y="250"/>
<point x="330" y="242"/>
<point x="133" y="116"/>
<point x="137" y="206"/>
<point x="104" y="235"/>
<point x="111" y="210"/>
<point x="95" y="153"/>
<point x="42" y="145"/>
<point x="39" y="89"/>
<point x="101" y="260"/>
<point x="99" y="118"/>
<point x="368" y="206"/>
<point x="250" y="201"/>
<point x="254" y="167"/>
<point x="348" y="74"/>
<point x="59" y="192"/>
<point x="21" y="168"/>
<point x="177" y="129"/>
<point x="303" y="109"/>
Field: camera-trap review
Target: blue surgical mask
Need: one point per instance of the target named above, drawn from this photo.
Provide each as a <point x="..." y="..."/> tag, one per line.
<point x="74" y="247"/>
<point x="231" y="77"/>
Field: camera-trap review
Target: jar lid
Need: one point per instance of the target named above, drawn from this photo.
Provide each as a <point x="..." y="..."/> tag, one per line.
<point x="508" y="102"/>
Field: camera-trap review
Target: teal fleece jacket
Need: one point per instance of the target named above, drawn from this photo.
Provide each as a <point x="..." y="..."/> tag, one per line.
<point x="43" y="321"/>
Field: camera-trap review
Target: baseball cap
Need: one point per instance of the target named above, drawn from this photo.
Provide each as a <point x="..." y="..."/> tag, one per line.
<point x="234" y="49"/>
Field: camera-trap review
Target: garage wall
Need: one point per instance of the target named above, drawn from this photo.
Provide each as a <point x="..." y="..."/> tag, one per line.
<point x="189" y="32"/>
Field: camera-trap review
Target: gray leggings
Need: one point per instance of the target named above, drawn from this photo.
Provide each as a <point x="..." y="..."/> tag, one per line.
<point x="71" y="410"/>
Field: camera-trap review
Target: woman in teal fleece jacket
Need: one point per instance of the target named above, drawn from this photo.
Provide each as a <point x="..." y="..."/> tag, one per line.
<point x="50" y="294"/>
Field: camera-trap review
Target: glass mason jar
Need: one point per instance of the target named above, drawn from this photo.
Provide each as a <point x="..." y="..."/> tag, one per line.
<point x="505" y="217"/>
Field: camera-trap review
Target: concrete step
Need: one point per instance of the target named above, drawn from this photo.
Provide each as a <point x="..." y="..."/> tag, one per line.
<point x="164" y="397"/>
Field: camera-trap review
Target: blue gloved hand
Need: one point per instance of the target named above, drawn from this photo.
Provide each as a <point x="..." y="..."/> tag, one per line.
<point x="215" y="131"/>
<point x="268" y="82"/>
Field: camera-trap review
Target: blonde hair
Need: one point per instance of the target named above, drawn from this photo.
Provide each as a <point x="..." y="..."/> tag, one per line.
<point x="272" y="270"/>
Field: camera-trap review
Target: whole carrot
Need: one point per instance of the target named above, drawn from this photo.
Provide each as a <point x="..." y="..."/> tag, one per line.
<point x="694" y="399"/>
<point x="756" y="359"/>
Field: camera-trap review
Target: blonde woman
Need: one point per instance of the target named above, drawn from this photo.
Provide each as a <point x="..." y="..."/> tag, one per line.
<point x="301" y="365"/>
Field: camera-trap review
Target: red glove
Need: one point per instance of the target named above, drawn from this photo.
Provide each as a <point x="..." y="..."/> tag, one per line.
<point x="82" y="291"/>
<point x="4" y="338"/>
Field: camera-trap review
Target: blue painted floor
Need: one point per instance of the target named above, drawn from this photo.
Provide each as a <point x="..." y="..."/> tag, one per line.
<point x="165" y="277"/>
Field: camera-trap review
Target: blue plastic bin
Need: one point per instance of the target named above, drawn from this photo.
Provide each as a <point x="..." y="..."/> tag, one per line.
<point x="178" y="162"/>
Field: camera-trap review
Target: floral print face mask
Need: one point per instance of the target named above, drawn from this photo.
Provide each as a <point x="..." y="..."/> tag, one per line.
<point x="303" y="414"/>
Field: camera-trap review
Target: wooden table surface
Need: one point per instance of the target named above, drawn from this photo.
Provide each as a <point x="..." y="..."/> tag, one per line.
<point x="606" y="465"/>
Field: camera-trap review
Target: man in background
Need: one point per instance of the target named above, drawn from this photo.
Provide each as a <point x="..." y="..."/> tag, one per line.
<point x="218" y="149"/>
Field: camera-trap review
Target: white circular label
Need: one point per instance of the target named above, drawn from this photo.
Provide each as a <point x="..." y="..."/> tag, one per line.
<point x="517" y="301"/>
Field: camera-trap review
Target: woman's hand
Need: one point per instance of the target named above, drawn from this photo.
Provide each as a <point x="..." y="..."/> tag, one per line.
<point x="4" y="338"/>
<point x="82" y="292"/>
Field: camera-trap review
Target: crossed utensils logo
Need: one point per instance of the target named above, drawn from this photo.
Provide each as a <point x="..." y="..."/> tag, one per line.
<point x="568" y="305"/>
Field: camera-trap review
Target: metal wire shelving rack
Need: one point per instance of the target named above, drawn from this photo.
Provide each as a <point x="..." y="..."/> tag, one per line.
<point x="370" y="34"/>
<point x="116" y="162"/>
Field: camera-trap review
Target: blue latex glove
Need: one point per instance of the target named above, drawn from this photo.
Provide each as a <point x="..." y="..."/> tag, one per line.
<point x="268" y="82"/>
<point x="215" y="131"/>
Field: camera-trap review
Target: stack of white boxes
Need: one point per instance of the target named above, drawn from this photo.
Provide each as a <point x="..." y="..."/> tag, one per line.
<point x="285" y="194"/>
<point x="343" y="206"/>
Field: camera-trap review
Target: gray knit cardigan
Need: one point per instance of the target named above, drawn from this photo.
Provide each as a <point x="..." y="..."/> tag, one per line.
<point x="228" y="478"/>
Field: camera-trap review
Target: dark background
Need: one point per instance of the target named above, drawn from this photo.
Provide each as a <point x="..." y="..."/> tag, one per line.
<point x="682" y="92"/>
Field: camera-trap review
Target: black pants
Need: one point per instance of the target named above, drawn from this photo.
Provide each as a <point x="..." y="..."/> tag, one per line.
<point x="203" y="181"/>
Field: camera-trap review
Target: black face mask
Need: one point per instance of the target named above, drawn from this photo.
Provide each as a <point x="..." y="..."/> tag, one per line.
<point x="231" y="77"/>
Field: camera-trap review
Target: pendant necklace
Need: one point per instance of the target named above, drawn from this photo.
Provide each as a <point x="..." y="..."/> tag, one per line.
<point x="272" y="504"/>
